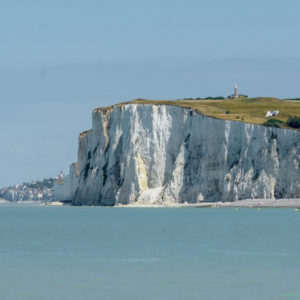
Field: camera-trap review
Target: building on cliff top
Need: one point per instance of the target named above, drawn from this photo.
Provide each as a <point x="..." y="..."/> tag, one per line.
<point x="59" y="179"/>
<point x="236" y="94"/>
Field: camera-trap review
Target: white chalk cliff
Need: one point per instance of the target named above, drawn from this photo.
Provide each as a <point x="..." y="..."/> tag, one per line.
<point x="161" y="154"/>
<point x="64" y="189"/>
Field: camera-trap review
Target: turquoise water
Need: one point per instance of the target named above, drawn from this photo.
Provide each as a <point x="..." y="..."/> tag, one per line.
<point x="143" y="253"/>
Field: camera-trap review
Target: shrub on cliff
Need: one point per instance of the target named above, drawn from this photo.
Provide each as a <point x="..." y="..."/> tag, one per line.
<point x="273" y="123"/>
<point x="293" y="122"/>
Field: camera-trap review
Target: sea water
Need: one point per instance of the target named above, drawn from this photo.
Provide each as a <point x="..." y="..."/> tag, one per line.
<point x="148" y="253"/>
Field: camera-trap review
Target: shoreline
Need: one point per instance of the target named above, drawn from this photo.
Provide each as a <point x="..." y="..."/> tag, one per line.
<point x="249" y="203"/>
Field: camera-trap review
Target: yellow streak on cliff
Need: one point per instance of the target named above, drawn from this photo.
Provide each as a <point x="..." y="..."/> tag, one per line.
<point x="105" y="130"/>
<point x="142" y="173"/>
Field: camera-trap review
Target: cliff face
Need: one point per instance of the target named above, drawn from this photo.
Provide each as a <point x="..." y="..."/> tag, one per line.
<point x="65" y="188"/>
<point x="163" y="154"/>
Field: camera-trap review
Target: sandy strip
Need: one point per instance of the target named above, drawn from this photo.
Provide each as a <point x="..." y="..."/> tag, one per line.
<point x="54" y="203"/>
<point x="293" y="203"/>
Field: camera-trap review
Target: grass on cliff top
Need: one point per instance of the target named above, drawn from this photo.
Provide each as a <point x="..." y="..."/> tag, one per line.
<point x="249" y="110"/>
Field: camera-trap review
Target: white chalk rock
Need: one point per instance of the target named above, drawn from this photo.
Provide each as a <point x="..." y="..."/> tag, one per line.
<point x="169" y="154"/>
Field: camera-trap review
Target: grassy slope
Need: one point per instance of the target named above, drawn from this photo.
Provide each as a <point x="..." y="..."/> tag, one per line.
<point x="252" y="110"/>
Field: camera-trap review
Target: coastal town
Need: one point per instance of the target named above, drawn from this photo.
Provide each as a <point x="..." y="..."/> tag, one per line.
<point x="41" y="191"/>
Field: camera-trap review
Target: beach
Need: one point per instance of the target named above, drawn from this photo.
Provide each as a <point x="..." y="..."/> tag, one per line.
<point x="292" y="203"/>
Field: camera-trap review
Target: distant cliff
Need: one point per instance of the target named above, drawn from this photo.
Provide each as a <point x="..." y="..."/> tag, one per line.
<point x="162" y="154"/>
<point x="65" y="186"/>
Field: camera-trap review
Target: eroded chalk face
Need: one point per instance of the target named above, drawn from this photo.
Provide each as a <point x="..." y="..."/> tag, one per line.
<point x="160" y="154"/>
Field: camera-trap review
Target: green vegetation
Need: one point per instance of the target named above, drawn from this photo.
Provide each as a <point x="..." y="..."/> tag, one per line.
<point x="48" y="183"/>
<point x="206" y="98"/>
<point x="249" y="110"/>
<point x="274" y="123"/>
<point x="293" y="122"/>
<point x="241" y="96"/>
<point x="212" y="98"/>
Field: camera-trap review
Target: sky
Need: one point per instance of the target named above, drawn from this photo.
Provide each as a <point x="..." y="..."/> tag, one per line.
<point x="60" y="59"/>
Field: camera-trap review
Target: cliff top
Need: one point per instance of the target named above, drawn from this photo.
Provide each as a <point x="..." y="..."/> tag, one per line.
<point x="249" y="110"/>
<point x="82" y="134"/>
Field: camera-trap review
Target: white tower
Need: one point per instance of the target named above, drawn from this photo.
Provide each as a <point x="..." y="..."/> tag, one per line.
<point x="236" y="91"/>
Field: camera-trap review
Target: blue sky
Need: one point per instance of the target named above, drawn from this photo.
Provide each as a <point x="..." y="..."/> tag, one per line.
<point x="60" y="59"/>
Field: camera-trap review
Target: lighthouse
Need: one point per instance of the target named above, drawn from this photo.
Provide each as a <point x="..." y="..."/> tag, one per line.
<point x="236" y="92"/>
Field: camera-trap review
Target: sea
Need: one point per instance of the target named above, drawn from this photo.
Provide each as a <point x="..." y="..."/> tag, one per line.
<point x="148" y="253"/>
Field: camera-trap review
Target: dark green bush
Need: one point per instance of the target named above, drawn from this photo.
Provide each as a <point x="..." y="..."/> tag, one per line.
<point x="293" y="122"/>
<point x="206" y="98"/>
<point x="273" y="123"/>
<point x="214" y="98"/>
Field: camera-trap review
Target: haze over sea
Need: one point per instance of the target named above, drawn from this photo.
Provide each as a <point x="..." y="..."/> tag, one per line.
<point x="148" y="253"/>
